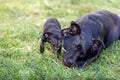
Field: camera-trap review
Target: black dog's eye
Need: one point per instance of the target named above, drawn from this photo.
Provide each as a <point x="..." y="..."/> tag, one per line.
<point x="51" y="40"/>
<point x="79" y="47"/>
<point x="54" y="40"/>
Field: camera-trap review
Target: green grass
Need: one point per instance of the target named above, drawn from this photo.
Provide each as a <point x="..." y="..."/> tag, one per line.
<point x="21" y="26"/>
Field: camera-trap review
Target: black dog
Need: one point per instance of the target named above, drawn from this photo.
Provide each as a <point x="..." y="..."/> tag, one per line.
<point x="52" y="34"/>
<point x="88" y="36"/>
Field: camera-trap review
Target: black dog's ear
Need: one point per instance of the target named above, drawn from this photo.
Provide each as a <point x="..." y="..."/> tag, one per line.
<point x="65" y="32"/>
<point x="75" y="28"/>
<point x="98" y="42"/>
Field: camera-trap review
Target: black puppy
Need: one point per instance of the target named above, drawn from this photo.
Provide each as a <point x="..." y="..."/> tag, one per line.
<point x="102" y="26"/>
<point x="52" y="34"/>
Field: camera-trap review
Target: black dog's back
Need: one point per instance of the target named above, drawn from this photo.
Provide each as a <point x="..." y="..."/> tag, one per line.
<point x="51" y="23"/>
<point x="108" y="23"/>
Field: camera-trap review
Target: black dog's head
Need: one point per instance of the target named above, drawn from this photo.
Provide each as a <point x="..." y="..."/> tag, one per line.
<point x="54" y="38"/>
<point x="77" y="44"/>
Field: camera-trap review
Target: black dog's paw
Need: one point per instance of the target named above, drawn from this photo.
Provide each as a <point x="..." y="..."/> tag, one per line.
<point x="41" y="48"/>
<point x="80" y="64"/>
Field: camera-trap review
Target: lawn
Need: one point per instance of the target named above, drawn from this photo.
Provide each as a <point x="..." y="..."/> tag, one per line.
<point x="21" y="27"/>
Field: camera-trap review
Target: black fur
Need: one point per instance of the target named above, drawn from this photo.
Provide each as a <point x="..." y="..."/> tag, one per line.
<point x="52" y="34"/>
<point x="102" y="26"/>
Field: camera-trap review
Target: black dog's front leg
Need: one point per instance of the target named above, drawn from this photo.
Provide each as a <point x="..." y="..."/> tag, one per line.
<point x="88" y="60"/>
<point x="42" y="47"/>
<point x="83" y="63"/>
<point x="59" y="52"/>
<point x="94" y="57"/>
<point x="80" y="64"/>
<point x="43" y="40"/>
